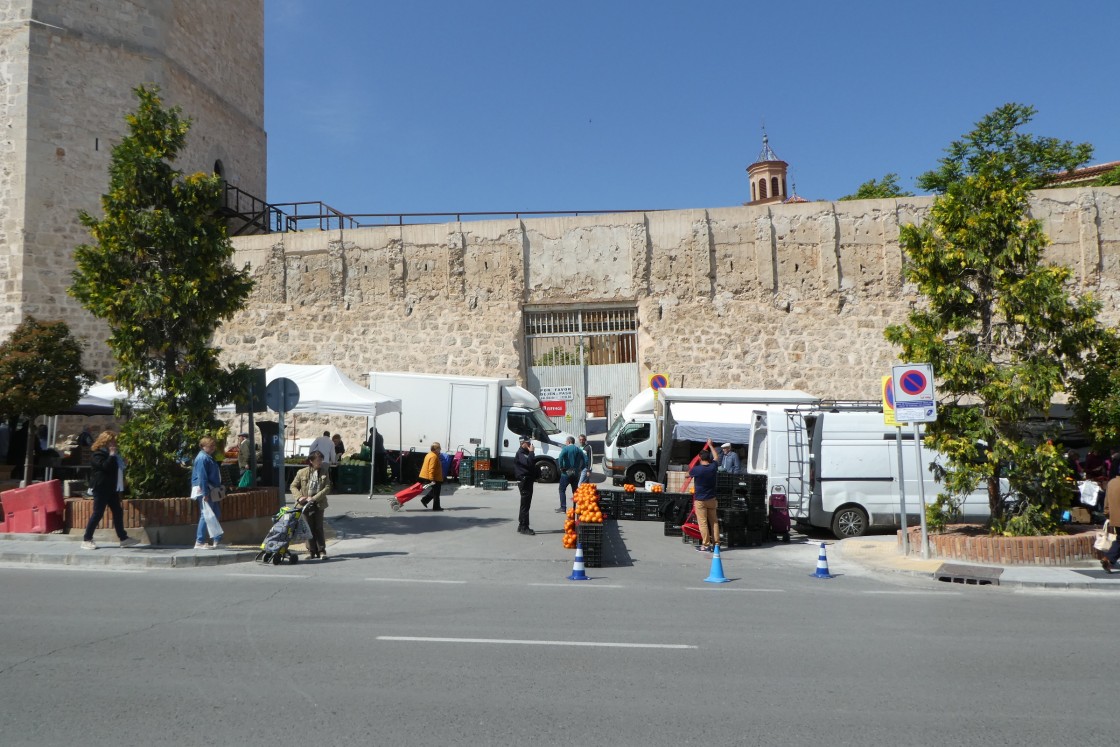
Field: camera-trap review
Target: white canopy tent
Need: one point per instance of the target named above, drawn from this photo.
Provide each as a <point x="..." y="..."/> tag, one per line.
<point x="325" y="389"/>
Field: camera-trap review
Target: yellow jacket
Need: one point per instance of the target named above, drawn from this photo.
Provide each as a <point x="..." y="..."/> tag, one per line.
<point x="432" y="469"/>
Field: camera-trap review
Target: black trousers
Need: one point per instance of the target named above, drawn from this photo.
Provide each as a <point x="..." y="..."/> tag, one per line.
<point x="525" y="487"/>
<point x="433" y="495"/>
<point x="113" y="501"/>
<point x="314" y="515"/>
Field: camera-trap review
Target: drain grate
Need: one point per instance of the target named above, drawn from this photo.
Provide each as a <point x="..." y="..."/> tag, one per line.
<point x="972" y="575"/>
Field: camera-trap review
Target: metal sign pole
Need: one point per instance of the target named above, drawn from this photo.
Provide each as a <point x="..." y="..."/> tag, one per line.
<point x="921" y="493"/>
<point x="281" y="488"/>
<point x="902" y="492"/>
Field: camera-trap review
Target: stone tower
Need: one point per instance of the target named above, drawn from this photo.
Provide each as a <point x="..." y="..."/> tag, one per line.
<point x="67" y="70"/>
<point x="768" y="176"/>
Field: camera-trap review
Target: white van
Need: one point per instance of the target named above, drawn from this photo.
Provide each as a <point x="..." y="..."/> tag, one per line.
<point x="840" y="469"/>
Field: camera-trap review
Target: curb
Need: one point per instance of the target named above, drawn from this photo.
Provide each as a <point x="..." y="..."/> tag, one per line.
<point x="133" y="559"/>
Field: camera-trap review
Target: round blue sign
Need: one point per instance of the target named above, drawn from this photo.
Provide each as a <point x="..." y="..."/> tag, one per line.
<point x="658" y="381"/>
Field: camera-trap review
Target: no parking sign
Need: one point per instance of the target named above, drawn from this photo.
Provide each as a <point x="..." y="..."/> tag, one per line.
<point x="914" y="398"/>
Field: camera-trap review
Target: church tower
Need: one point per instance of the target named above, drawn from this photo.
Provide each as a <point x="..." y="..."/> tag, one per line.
<point x="67" y="70"/>
<point x="767" y="176"/>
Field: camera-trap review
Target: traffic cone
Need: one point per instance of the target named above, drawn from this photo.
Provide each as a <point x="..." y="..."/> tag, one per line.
<point x="577" y="567"/>
<point x="822" y="565"/>
<point x="715" y="576"/>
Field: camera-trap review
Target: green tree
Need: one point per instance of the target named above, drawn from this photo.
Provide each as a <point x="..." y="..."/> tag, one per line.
<point x="877" y="190"/>
<point x="1000" y="326"/>
<point x="1110" y="178"/>
<point x="40" y="374"/>
<point x="159" y="273"/>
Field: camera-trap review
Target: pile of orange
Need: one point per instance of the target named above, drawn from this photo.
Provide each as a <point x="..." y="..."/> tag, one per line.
<point x="585" y="510"/>
<point x="630" y="488"/>
<point x="657" y="489"/>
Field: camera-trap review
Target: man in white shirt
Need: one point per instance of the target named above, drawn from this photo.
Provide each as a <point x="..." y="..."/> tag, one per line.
<point x="324" y="445"/>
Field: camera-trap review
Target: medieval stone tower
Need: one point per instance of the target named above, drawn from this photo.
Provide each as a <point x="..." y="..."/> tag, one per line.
<point x="67" y="70"/>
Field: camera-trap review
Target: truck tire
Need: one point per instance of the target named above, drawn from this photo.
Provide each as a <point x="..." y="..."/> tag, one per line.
<point x="849" y="521"/>
<point x="547" y="471"/>
<point x="639" y="474"/>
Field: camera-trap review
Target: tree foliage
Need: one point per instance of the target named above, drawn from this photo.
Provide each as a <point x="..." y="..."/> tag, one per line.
<point x="876" y="190"/>
<point x="40" y="374"/>
<point x="159" y="272"/>
<point x="1000" y="326"/>
<point x="1110" y="178"/>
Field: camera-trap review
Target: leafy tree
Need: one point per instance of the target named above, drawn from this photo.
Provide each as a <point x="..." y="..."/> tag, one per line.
<point x="159" y="273"/>
<point x="877" y="190"/>
<point x="999" y="325"/>
<point x="40" y="374"/>
<point x="1110" y="178"/>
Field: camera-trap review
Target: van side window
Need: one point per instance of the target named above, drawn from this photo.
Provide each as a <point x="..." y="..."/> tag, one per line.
<point x="634" y="433"/>
<point x="519" y="423"/>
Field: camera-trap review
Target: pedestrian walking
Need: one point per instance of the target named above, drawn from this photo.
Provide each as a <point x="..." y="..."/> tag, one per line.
<point x="704" y="478"/>
<point x="206" y="488"/>
<point x="312" y="484"/>
<point x="246" y="461"/>
<point x="588" y="457"/>
<point x="107" y="483"/>
<point x="571" y="464"/>
<point x="525" y="470"/>
<point x="431" y="471"/>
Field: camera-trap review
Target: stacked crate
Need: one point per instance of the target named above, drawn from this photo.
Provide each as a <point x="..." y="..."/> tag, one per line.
<point x="466" y="470"/>
<point x="608" y="502"/>
<point x="590" y="538"/>
<point x="481" y="466"/>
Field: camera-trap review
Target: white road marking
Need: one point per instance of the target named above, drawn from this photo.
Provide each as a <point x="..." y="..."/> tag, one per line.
<point x="720" y="587"/>
<point x="77" y="568"/>
<point x="587" y="586"/>
<point x="416" y="580"/>
<point x="517" y="642"/>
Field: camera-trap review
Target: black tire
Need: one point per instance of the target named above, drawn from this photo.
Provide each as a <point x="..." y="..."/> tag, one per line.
<point x="849" y="521"/>
<point x="293" y="558"/>
<point x="547" y="471"/>
<point x="639" y="474"/>
<point x="785" y="537"/>
<point x="277" y="559"/>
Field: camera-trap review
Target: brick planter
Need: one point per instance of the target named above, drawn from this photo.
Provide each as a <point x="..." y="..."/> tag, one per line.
<point x="971" y="544"/>
<point x="173" y="520"/>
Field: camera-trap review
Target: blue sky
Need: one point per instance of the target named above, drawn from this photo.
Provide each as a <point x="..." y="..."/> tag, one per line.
<point x="432" y="106"/>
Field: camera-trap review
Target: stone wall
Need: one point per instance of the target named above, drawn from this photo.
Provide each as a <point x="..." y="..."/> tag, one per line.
<point x="67" y="70"/>
<point x="779" y="296"/>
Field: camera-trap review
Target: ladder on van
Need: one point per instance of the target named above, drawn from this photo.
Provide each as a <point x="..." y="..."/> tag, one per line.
<point x="798" y="487"/>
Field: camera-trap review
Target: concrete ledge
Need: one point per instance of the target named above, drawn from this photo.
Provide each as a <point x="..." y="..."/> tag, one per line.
<point x="972" y="543"/>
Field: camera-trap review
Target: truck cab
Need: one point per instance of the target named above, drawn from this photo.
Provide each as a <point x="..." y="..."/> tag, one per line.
<point x="630" y="447"/>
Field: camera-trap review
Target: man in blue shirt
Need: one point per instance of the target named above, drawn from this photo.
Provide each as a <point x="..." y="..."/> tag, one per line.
<point x="571" y="463"/>
<point x="704" y="478"/>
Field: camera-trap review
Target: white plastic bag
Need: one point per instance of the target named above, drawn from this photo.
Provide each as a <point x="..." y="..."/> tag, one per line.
<point x="1104" y="539"/>
<point x="211" y="520"/>
<point x="1089" y="490"/>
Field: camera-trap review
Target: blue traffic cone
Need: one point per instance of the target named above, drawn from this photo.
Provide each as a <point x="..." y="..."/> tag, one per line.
<point x="577" y="567"/>
<point x="822" y="565"/>
<point x="715" y="576"/>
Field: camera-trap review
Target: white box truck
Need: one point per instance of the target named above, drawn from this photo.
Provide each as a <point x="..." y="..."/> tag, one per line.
<point x="677" y="419"/>
<point x="839" y="468"/>
<point x="470" y="411"/>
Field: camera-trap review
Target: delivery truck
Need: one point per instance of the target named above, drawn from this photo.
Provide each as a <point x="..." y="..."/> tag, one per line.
<point x="656" y="432"/>
<point x="470" y="412"/>
<point x="838" y="466"/>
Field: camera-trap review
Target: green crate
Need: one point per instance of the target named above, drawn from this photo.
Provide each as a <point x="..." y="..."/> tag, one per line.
<point x="496" y="483"/>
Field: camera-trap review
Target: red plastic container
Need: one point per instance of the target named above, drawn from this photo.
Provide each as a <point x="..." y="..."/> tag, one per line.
<point x="36" y="509"/>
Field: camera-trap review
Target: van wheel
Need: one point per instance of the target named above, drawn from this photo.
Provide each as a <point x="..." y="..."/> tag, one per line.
<point x="547" y="471"/>
<point x="639" y="474"/>
<point x="850" y="521"/>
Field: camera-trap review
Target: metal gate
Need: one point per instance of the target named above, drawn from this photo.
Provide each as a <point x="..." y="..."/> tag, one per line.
<point x="593" y="350"/>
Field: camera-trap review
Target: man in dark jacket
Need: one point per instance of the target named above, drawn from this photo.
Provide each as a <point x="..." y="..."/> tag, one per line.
<point x="526" y="472"/>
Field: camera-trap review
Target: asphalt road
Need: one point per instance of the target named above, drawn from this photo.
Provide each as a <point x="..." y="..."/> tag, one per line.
<point x="429" y="629"/>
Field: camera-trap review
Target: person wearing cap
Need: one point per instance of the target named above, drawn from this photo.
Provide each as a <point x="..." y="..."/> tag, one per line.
<point x="729" y="462"/>
<point x="525" y="470"/>
<point x="246" y="460"/>
<point x="704" y="477"/>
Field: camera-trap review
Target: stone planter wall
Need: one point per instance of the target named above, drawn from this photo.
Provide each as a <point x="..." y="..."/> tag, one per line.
<point x="1057" y="550"/>
<point x="246" y="516"/>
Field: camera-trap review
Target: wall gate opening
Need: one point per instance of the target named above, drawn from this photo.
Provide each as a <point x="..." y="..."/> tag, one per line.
<point x="594" y="351"/>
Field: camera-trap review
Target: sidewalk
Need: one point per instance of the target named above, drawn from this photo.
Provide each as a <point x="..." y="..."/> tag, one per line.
<point x="65" y="549"/>
<point x="880" y="553"/>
